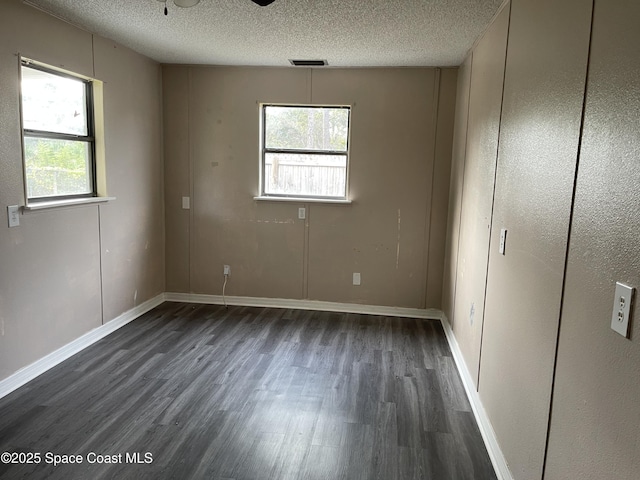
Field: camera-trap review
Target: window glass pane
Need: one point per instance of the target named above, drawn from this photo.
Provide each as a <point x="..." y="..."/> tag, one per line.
<point x="305" y="174"/>
<point x="53" y="103"/>
<point x="306" y="128"/>
<point x="56" y="167"/>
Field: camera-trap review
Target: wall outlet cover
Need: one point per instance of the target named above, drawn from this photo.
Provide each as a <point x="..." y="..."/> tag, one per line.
<point x="622" y="304"/>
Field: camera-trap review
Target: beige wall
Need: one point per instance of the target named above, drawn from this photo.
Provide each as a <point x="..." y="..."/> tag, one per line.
<point x="455" y="188"/>
<point x="389" y="233"/>
<point x="595" y="422"/>
<point x="441" y="184"/>
<point x="485" y="102"/>
<point x="177" y="174"/>
<point x="56" y="282"/>
<point x="539" y="136"/>
<point x="536" y="312"/>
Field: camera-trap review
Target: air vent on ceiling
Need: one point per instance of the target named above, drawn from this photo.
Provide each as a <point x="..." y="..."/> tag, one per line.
<point x="308" y="63"/>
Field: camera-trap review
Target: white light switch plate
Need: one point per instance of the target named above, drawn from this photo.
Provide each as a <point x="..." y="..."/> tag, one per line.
<point x="13" y="212"/>
<point x="302" y="213"/>
<point x="356" y="279"/>
<point x="503" y="240"/>
<point x="622" y="304"/>
<point x="186" y="203"/>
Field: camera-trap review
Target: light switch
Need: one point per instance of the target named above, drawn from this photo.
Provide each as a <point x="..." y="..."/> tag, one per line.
<point x="302" y="213"/>
<point x="186" y="203"/>
<point x="622" y="303"/>
<point x="13" y="213"/>
<point x="503" y="240"/>
<point x="356" y="279"/>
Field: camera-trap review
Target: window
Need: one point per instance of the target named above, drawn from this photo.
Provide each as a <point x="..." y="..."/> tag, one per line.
<point x="305" y="151"/>
<point x="58" y="135"/>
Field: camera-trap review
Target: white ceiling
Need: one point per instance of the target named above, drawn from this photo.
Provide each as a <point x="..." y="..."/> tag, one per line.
<point x="346" y="33"/>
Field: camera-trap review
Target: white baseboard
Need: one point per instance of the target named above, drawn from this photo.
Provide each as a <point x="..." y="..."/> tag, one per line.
<point x="484" y="424"/>
<point x="49" y="361"/>
<point x="306" y="305"/>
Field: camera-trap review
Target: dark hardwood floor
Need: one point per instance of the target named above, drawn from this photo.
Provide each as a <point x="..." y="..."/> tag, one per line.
<point x="250" y="393"/>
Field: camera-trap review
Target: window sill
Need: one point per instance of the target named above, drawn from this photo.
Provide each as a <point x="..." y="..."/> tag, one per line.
<point x="35" y="206"/>
<point x="302" y="200"/>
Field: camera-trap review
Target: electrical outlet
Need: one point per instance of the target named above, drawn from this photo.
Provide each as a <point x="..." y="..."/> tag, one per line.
<point x="356" y="279"/>
<point x="622" y="304"/>
<point x="503" y="240"/>
<point x="226" y="270"/>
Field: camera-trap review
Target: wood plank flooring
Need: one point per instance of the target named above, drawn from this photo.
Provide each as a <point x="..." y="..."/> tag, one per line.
<point x="251" y="393"/>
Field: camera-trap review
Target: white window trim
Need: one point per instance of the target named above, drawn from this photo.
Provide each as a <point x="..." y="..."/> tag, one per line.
<point x="73" y="202"/>
<point x="268" y="198"/>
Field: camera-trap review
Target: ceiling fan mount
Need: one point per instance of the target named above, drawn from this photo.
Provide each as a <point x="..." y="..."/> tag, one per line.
<point x="192" y="3"/>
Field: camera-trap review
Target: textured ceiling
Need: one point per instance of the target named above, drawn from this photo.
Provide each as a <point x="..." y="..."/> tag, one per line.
<point x="346" y="33"/>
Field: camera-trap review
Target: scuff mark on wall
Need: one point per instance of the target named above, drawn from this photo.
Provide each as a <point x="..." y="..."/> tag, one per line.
<point x="472" y="313"/>
<point x="398" y="247"/>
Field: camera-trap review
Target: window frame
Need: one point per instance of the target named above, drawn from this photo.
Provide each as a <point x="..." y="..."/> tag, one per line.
<point x="264" y="150"/>
<point x="89" y="138"/>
